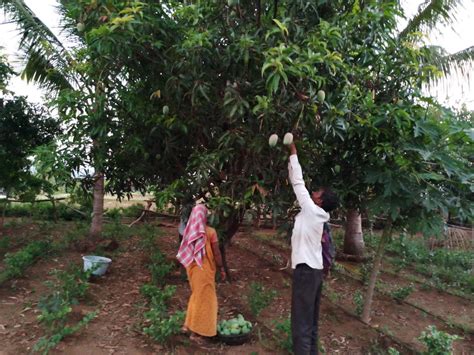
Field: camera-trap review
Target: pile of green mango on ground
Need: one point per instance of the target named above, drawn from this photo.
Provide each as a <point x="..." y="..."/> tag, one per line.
<point x="234" y="326"/>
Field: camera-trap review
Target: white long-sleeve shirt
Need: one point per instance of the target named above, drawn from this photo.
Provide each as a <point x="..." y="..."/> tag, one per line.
<point x="308" y="229"/>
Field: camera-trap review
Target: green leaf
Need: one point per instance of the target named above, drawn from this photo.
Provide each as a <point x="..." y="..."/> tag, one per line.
<point x="282" y="27"/>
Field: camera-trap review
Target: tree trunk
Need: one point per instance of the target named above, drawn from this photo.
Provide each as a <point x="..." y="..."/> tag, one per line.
<point x="224" y="261"/>
<point x="98" y="207"/>
<point x="4" y="211"/>
<point x="55" y="211"/>
<point x="232" y="227"/>
<point x="353" y="237"/>
<point x="387" y="232"/>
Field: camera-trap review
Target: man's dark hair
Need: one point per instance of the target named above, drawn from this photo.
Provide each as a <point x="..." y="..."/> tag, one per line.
<point x="330" y="199"/>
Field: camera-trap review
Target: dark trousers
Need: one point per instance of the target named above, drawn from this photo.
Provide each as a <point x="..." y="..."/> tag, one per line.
<point x="305" y="300"/>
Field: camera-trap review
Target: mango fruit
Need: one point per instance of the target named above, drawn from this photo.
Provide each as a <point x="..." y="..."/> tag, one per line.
<point x="321" y="96"/>
<point x="272" y="141"/>
<point x="234" y="326"/>
<point x="80" y="27"/>
<point x="288" y="139"/>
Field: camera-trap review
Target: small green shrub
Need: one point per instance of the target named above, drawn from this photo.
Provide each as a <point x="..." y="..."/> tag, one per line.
<point x="116" y="231"/>
<point x="159" y="268"/>
<point x="437" y="342"/>
<point x="447" y="268"/>
<point x="114" y="214"/>
<point x="16" y="263"/>
<point x="148" y="238"/>
<point x="147" y="233"/>
<point x="161" y="324"/>
<point x="377" y="348"/>
<point x="72" y="283"/>
<point x="365" y="271"/>
<point x="401" y="293"/>
<point x="158" y="296"/>
<point x="54" y="311"/>
<point x="358" y="300"/>
<point x="69" y="287"/>
<point x="259" y="298"/>
<point x="78" y="231"/>
<point x="282" y="335"/>
<point x="18" y="210"/>
<point x="163" y="327"/>
<point x="44" y="211"/>
<point x="133" y="211"/>
<point x="47" y="343"/>
<point x="5" y="243"/>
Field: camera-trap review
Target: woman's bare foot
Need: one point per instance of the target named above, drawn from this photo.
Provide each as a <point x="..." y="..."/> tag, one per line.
<point x="198" y="339"/>
<point x="184" y="329"/>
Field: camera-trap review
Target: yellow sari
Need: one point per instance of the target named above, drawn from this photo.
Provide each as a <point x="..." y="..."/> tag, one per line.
<point x="201" y="316"/>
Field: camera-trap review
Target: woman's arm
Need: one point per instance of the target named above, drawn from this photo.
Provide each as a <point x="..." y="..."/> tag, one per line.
<point x="218" y="258"/>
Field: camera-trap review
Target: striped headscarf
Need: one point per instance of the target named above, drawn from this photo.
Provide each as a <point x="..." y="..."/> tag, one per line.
<point x="192" y="246"/>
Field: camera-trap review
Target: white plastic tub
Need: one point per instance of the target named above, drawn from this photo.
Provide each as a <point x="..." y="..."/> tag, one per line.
<point x="98" y="263"/>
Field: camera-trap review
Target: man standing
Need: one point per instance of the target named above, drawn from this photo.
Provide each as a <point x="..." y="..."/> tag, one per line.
<point x="306" y="258"/>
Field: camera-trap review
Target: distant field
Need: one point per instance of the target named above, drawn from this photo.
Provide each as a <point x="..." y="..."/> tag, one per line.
<point x="111" y="201"/>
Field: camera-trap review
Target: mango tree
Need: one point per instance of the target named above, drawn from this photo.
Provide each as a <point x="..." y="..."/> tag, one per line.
<point x="213" y="89"/>
<point x="388" y="136"/>
<point x="232" y="74"/>
<point x="423" y="177"/>
<point x="239" y="73"/>
<point x="23" y="128"/>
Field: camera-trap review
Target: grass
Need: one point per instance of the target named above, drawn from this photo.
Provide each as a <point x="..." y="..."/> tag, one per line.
<point x="259" y="298"/>
<point x="17" y="263"/>
<point x="43" y="211"/>
<point x="282" y="335"/>
<point x="69" y="287"/>
<point x="446" y="269"/>
<point x="160" y="323"/>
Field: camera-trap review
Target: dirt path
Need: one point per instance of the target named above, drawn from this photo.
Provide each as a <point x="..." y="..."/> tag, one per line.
<point x="117" y="326"/>
<point x="339" y="332"/>
<point x="114" y="297"/>
<point x="117" y="329"/>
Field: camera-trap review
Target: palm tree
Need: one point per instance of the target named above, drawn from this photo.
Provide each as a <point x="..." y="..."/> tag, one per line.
<point x="49" y="64"/>
<point x="430" y="15"/>
<point x="46" y="58"/>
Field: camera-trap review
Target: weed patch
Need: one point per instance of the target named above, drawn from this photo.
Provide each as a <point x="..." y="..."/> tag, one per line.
<point x="17" y="263"/>
<point x="358" y="300"/>
<point x="437" y="342"/>
<point x="401" y="293"/>
<point x="282" y="335"/>
<point x="69" y="287"/>
<point x="259" y="298"/>
<point x="161" y="324"/>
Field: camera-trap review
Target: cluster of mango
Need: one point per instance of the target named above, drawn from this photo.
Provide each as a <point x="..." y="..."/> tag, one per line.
<point x="234" y="326"/>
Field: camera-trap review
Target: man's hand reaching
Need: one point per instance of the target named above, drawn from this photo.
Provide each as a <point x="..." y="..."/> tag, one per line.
<point x="292" y="148"/>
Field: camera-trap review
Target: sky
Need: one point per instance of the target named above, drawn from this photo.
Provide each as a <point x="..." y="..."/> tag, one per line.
<point x="456" y="92"/>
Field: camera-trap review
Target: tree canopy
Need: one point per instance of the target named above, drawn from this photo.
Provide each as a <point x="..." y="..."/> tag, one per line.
<point x="23" y="127"/>
<point x="184" y="96"/>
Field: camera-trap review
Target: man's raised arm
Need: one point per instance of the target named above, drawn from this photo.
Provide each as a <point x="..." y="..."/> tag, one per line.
<point x="296" y="177"/>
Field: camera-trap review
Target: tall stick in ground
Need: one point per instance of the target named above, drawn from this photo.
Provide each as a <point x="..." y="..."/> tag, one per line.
<point x="387" y="232"/>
